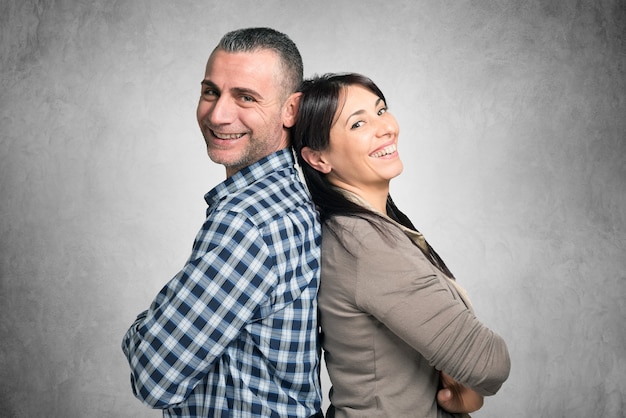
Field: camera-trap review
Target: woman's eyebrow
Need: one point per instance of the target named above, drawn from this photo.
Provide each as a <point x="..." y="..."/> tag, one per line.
<point x="361" y="111"/>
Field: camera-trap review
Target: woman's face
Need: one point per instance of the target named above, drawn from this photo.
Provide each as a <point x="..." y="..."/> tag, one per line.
<point x="362" y="154"/>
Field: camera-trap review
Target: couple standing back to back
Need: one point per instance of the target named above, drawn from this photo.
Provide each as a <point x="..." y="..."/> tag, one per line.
<point x="235" y="332"/>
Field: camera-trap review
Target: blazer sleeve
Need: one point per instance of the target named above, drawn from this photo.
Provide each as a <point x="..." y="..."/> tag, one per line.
<point x="404" y="291"/>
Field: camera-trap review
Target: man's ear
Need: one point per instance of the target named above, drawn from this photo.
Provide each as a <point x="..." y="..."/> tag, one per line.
<point x="316" y="160"/>
<point x="290" y="110"/>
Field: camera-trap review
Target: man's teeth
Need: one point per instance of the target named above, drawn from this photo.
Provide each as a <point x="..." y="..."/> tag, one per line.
<point x="227" y="136"/>
<point x="389" y="149"/>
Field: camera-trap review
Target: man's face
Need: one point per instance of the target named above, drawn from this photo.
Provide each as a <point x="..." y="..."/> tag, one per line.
<point x="241" y="112"/>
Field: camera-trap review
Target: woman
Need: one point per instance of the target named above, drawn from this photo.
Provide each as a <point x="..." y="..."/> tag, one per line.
<point x="396" y="326"/>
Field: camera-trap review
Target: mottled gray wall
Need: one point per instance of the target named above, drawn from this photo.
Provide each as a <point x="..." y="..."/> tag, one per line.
<point x="513" y="117"/>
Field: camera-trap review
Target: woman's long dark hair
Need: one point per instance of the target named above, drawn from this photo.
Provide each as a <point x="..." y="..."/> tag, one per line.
<point x="316" y="115"/>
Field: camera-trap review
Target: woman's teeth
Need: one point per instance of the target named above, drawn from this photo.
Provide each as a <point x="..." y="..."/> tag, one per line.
<point x="389" y="149"/>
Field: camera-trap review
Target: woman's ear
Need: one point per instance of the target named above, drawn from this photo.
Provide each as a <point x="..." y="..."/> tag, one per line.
<point x="290" y="110"/>
<point x="315" y="159"/>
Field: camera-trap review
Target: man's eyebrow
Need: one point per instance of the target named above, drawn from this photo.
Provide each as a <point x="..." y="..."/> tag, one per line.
<point x="246" y="92"/>
<point x="208" y="83"/>
<point x="235" y="90"/>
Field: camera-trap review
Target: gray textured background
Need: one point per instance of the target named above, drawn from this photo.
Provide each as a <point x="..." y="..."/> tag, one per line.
<point x="513" y="118"/>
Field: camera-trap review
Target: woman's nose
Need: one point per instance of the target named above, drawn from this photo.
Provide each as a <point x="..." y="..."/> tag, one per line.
<point x="387" y="125"/>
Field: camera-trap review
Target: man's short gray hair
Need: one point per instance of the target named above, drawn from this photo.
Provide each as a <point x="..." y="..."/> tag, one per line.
<point x="253" y="39"/>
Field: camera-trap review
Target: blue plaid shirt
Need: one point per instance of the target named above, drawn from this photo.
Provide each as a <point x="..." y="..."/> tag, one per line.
<point x="234" y="334"/>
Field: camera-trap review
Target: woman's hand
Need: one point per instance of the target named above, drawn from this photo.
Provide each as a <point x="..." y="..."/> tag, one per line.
<point x="456" y="398"/>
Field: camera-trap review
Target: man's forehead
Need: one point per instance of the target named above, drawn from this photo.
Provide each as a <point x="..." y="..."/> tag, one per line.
<point x="257" y="58"/>
<point x="243" y="69"/>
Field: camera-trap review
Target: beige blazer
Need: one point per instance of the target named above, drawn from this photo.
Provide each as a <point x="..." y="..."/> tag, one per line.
<point x="390" y="320"/>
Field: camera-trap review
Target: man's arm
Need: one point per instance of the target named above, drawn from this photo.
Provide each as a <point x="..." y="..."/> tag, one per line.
<point x="456" y="398"/>
<point x="172" y="346"/>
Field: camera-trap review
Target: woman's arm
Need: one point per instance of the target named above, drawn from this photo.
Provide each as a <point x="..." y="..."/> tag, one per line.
<point x="399" y="286"/>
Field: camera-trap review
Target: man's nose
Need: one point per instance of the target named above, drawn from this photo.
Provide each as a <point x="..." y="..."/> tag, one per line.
<point x="223" y="111"/>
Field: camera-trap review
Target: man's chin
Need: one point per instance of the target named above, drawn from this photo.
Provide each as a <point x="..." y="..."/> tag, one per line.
<point x="227" y="159"/>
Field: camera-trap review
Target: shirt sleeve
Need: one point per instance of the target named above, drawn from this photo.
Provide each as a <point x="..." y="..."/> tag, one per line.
<point x="403" y="290"/>
<point x="175" y="343"/>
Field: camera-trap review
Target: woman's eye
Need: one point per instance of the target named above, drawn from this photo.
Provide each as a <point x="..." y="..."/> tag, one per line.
<point x="382" y="110"/>
<point x="357" y="124"/>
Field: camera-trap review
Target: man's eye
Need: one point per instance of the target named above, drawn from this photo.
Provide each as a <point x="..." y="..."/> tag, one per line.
<point x="247" y="98"/>
<point x="209" y="92"/>
<point x="357" y="125"/>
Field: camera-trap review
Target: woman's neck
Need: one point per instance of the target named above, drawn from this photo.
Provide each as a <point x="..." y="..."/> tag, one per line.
<point x="376" y="198"/>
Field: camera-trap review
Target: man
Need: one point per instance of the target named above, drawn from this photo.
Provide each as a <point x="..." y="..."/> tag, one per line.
<point x="234" y="333"/>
